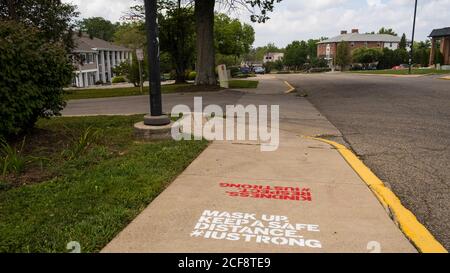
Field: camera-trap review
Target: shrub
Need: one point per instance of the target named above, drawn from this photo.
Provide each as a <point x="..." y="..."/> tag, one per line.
<point x="32" y="76"/>
<point x="119" y="79"/>
<point x="367" y="55"/>
<point x="192" y="75"/>
<point x="131" y="71"/>
<point x="319" y="62"/>
<point x="234" y="71"/>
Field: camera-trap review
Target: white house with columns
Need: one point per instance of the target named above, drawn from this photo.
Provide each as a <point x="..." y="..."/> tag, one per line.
<point x="97" y="59"/>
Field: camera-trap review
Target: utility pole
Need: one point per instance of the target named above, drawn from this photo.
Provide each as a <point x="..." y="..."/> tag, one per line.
<point x="412" y="40"/>
<point x="156" y="117"/>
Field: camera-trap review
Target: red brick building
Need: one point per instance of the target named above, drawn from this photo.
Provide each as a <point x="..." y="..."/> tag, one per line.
<point x="443" y="37"/>
<point x="327" y="49"/>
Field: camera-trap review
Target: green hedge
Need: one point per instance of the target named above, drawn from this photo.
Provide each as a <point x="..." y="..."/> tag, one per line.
<point x="119" y="79"/>
<point x="192" y="75"/>
<point x="32" y="76"/>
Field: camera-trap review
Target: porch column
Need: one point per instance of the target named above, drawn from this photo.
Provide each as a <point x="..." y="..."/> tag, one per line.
<point x="113" y="59"/>
<point x="102" y="57"/>
<point x="108" y="66"/>
<point x="77" y="80"/>
<point x="433" y="51"/>
<point x="86" y="80"/>
<point x="97" y="74"/>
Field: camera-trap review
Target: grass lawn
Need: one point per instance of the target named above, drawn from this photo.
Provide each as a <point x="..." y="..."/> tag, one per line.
<point x="132" y="91"/>
<point x="403" y="72"/>
<point x="165" y="89"/>
<point x="243" y="84"/>
<point x="92" y="181"/>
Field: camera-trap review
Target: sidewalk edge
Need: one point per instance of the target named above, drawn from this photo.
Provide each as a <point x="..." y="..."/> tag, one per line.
<point x="418" y="234"/>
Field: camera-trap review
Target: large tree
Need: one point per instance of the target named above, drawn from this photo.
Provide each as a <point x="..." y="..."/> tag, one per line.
<point x="343" y="56"/>
<point x="296" y="54"/>
<point x="98" y="27"/>
<point x="204" y="18"/>
<point x="54" y="20"/>
<point x="232" y="38"/>
<point x="176" y="35"/>
<point x="177" y="38"/>
<point x="204" y="14"/>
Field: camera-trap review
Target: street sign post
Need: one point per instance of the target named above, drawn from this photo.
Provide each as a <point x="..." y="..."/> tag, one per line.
<point x="140" y="58"/>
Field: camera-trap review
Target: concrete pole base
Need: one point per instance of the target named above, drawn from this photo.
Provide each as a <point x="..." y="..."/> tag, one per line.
<point x="150" y="132"/>
<point x="156" y="120"/>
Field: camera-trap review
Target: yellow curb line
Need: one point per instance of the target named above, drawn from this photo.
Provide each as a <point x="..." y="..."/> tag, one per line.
<point x="405" y="219"/>
<point x="291" y="88"/>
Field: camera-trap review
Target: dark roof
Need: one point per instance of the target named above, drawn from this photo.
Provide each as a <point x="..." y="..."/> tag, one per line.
<point x="85" y="43"/>
<point x="440" y="32"/>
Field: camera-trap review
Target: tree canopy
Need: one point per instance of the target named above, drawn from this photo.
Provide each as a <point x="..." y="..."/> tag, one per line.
<point x="54" y="20"/>
<point x="231" y="36"/>
<point x="98" y="27"/>
<point x="343" y="56"/>
<point x="296" y="54"/>
<point x="389" y="31"/>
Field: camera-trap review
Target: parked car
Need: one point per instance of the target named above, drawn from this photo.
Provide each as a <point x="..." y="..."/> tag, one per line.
<point x="259" y="70"/>
<point x="245" y="70"/>
<point x="400" y="67"/>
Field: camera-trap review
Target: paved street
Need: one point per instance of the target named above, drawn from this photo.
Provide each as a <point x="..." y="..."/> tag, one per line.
<point x="400" y="127"/>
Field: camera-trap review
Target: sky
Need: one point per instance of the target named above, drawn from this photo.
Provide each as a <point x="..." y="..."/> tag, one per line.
<point x="306" y="19"/>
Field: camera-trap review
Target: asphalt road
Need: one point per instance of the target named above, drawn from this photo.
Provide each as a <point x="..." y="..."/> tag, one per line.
<point x="400" y="127"/>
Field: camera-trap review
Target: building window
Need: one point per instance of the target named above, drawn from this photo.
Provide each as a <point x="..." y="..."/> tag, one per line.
<point x="89" y="59"/>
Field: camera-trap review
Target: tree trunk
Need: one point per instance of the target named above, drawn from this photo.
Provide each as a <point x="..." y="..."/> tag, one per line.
<point x="205" y="65"/>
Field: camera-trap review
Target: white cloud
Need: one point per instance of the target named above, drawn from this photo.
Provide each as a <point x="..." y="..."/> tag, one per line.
<point x="305" y="19"/>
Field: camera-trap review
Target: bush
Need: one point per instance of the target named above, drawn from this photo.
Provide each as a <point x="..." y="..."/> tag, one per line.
<point x="319" y="62"/>
<point x="119" y="79"/>
<point x="32" y="76"/>
<point x="367" y="55"/>
<point x="234" y="70"/>
<point x="192" y="75"/>
<point x="130" y="71"/>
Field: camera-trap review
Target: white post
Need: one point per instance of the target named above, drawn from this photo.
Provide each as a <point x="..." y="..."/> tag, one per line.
<point x="108" y="57"/>
<point x="77" y="80"/>
<point x="97" y="75"/>
<point x="114" y="59"/>
<point x="86" y="80"/>
<point x="103" y="66"/>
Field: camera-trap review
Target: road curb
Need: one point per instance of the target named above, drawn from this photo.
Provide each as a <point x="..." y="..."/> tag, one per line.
<point x="418" y="234"/>
<point x="291" y="88"/>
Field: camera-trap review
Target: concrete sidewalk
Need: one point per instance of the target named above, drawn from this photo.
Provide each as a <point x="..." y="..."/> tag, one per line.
<point x="304" y="197"/>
